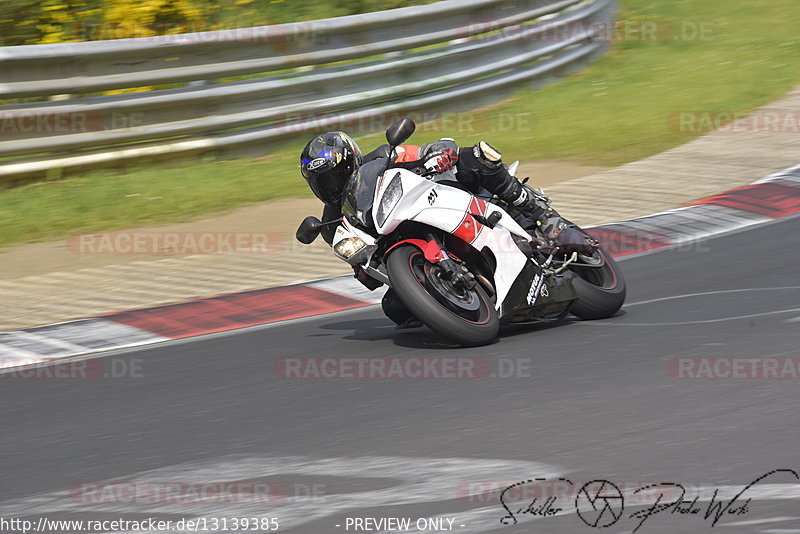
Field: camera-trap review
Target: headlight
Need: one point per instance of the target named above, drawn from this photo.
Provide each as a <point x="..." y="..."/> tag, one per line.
<point x="392" y="195"/>
<point x="349" y="246"/>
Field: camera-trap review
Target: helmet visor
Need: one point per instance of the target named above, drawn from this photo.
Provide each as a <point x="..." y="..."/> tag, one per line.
<point x="328" y="182"/>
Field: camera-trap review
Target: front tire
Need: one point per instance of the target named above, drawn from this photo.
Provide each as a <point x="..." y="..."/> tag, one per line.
<point x="601" y="291"/>
<point x="409" y="272"/>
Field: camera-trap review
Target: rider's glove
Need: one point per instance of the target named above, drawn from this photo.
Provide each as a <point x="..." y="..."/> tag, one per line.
<point x="441" y="160"/>
<point x="531" y="204"/>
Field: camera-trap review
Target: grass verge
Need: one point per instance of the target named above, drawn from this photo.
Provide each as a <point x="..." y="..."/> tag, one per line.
<point x="710" y="55"/>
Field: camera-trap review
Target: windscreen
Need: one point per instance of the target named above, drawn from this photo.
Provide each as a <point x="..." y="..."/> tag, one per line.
<point x="360" y="194"/>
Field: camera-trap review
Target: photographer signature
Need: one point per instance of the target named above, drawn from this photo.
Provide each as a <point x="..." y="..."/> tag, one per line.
<point x="546" y="509"/>
<point x="600" y="503"/>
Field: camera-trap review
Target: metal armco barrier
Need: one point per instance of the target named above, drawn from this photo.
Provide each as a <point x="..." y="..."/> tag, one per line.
<point x="414" y="58"/>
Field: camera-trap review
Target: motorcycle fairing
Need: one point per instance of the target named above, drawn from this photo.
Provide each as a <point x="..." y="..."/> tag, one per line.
<point x="451" y="210"/>
<point x="534" y="296"/>
<point x="346" y="231"/>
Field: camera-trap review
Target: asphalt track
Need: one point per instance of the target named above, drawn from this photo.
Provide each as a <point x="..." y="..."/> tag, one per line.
<point x="589" y="400"/>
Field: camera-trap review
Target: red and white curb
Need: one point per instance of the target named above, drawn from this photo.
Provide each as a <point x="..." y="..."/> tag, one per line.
<point x="187" y="319"/>
<point x="771" y="198"/>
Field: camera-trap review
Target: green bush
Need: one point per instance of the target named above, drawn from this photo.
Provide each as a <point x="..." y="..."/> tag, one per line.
<point x="57" y="21"/>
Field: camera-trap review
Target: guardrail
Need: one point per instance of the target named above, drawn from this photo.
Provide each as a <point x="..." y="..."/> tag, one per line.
<point x="412" y="58"/>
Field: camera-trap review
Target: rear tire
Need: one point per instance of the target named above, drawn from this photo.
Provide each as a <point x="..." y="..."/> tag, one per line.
<point x="601" y="291"/>
<point x="405" y="266"/>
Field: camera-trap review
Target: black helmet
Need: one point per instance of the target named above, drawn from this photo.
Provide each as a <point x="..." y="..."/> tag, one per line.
<point x="327" y="162"/>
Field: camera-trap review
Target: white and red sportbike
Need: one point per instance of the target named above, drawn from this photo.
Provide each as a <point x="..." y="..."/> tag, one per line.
<point x="461" y="265"/>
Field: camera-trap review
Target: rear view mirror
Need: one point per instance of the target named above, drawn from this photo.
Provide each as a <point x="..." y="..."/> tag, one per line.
<point x="308" y="230"/>
<point x="400" y="131"/>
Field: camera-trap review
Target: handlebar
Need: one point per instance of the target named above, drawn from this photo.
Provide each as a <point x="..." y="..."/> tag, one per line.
<point x="413" y="166"/>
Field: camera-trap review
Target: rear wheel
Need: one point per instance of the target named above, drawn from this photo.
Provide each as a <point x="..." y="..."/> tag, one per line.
<point x="467" y="316"/>
<point x="601" y="290"/>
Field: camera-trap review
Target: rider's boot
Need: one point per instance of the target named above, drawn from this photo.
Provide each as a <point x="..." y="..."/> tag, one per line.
<point x="395" y="310"/>
<point x="550" y="231"/>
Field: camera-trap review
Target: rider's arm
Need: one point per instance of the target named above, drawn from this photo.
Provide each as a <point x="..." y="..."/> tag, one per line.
<point x="380" y="152"/>
<point x="404" y="153"/>
<point x="328" y="214"/>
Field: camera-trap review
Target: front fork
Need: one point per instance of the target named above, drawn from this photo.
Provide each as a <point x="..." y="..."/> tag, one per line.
<point x="432" y="249"/>
<point x="452" y="272"/>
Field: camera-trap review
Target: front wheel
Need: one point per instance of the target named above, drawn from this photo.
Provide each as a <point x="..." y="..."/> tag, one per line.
<point x="467" y="316"/>
<point x="601" y="290"/>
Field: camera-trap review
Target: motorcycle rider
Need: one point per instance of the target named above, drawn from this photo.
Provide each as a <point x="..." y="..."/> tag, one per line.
<point x="329" y="160"/>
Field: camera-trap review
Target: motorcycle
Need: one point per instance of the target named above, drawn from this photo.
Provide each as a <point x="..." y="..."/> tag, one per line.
<point x="458" y="263"/>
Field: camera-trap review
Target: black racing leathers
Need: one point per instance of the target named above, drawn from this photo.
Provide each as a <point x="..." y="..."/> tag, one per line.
<point x="475" y="173"/>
